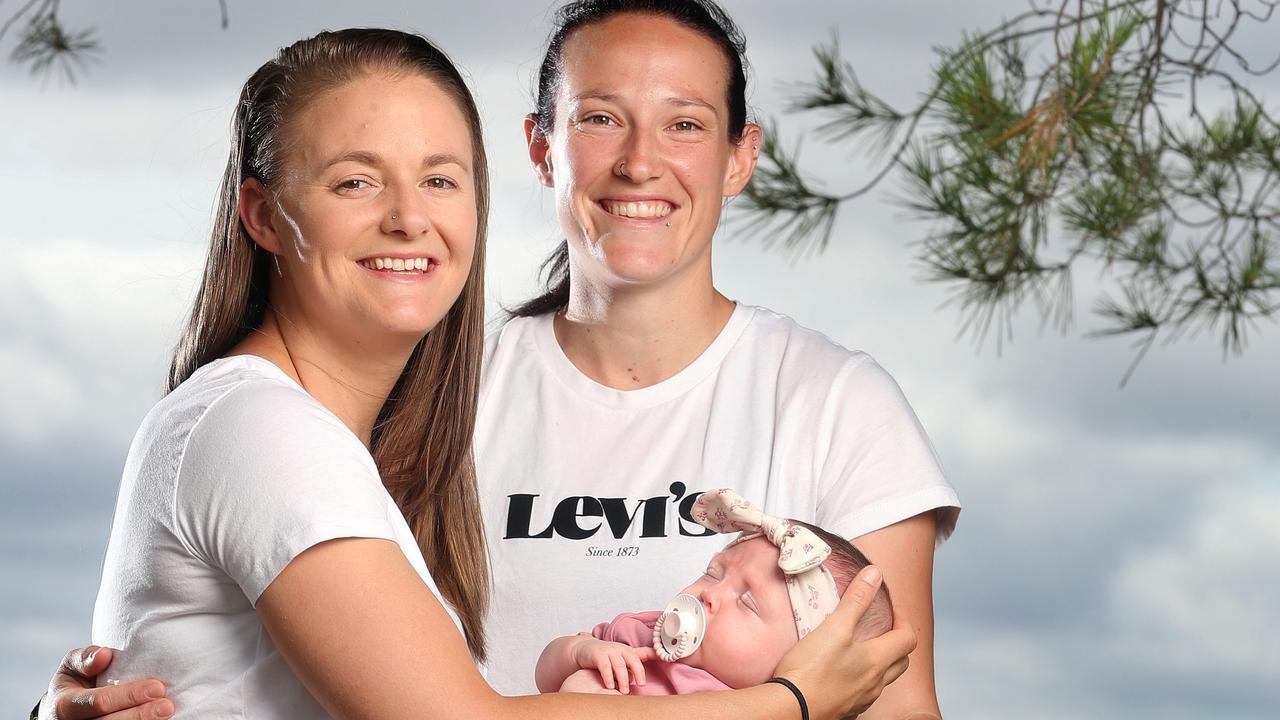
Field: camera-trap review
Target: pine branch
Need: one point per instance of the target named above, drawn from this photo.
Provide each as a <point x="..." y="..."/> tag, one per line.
<point x="1183" y="215"/>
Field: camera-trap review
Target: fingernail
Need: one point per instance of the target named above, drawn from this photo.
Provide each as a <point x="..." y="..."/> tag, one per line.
<point x="92" y="655"/>
<point x="871" y="575"/>
<point x="164" y="709"/>
<point x="153" y="692"/>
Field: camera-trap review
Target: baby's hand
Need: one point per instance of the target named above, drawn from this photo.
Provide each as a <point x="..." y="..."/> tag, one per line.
<point x="618" y="664"/>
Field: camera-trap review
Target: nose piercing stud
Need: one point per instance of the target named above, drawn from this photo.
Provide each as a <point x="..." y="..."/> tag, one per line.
<point x="393" y="216"/>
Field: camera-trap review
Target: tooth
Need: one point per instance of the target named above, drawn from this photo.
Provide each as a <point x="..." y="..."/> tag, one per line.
<point x="417" y="263"/>
<point x="397" y="264"/>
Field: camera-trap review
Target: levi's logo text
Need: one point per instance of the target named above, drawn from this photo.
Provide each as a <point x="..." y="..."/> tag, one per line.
<point x="580" y="517"/>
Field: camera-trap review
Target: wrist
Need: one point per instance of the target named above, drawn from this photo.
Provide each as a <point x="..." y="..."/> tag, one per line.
<point x="795" y="692"/>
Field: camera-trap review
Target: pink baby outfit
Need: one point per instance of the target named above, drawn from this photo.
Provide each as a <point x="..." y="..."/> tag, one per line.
<point x="661" y="678"/>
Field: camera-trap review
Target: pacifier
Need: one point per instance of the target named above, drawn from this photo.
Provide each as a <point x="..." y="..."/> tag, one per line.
<point x="680" y="628"/>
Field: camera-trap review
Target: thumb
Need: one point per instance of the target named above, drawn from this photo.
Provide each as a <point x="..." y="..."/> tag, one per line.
<point x="858" y="596"/>
<point x="93" y="660"/>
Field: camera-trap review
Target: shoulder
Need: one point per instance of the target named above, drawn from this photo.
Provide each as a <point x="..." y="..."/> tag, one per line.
<point x="506" y="333"/>
<point x="257" y="424"/>
<point x="803" y="357"/>
<point x="511" y="351"/>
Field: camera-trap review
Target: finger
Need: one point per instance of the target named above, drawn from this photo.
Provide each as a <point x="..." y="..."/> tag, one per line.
<point x="157" y="710"/>
<point x="77" y="663"/>
<point x="620" y="672"/>
<point x="80" y="704"/>
<point x="896" y="670"/>
<point x="646" y="654"/>
<point x="97" y="661"/>
<point x="637" y="668"/>
<point x="606" y="672"/>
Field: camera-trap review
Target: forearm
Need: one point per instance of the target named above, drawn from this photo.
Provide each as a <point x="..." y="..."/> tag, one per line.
<point x="904" y="552"/>
<point x="556" y="663"/>
<point x="765" y="702"/>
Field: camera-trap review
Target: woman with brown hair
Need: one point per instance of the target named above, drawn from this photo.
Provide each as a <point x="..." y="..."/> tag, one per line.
<point x="267" y="553"/>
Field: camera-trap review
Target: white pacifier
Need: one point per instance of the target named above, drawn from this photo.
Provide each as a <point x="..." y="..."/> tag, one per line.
<point x="680" y="628"/>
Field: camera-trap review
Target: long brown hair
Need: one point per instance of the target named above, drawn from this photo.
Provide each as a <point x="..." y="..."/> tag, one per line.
<point x="422" y="438"/>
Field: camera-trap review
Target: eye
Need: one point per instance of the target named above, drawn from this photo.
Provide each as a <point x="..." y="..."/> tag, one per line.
<point x="598" y="120"/>
<point x="352" y="185"/>
<point x="685" y="126"/>
<point x="441" y="183"/>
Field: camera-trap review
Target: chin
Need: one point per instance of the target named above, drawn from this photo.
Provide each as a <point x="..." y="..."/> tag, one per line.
<point x="411" y="325"/>
<point x="639" y="268"/>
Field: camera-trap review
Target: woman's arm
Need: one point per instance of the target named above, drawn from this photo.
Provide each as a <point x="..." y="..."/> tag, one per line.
<point x="370" y="640"/>
<point x="904" y="552"/>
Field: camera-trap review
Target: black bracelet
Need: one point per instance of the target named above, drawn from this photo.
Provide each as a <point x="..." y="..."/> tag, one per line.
<point x="804" y="706"/>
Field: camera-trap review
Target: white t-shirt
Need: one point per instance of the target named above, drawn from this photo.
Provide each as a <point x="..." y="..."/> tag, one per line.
<point x="230" y="477"/>
<point x="586" y="490"/>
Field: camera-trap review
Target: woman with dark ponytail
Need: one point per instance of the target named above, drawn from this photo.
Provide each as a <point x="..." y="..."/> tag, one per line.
<point x="631" y="383"/>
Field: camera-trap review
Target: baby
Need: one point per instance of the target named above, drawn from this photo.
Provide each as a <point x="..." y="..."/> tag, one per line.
<point x="728" y="629"/>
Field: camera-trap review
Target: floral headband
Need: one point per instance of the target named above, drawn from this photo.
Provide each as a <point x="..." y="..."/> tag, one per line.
<point x="800" y="552"/>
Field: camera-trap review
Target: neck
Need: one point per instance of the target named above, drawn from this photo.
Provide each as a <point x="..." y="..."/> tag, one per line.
<point x="348" y="379"/>
<point x="629" y="338"/>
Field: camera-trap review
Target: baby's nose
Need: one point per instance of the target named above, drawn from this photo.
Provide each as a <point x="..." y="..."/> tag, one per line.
<point x="710" y="598"/>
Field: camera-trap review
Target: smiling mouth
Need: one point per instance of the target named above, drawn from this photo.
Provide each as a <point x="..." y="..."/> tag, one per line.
<point x="406" y="266"/>
<point x="641" y="209"/>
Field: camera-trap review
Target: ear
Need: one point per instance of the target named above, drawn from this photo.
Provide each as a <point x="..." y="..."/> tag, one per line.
<point x="742" y="160"/>
<point x="257" y="215"/>
<point x="539" y="151"/>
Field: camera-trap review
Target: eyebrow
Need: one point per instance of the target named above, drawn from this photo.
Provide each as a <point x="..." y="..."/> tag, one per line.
<point x="678" y="101"/>
<point x="371" y="158"/>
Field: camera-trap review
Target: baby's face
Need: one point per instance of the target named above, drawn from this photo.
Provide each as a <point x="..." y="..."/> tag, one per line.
<point x="750" y="623"/>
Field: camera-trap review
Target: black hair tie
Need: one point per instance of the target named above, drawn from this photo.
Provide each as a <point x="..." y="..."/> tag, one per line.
<point x="804" y="706"/>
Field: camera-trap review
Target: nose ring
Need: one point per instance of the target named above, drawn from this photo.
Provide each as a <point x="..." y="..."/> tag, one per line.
<point x="622" y="168"/>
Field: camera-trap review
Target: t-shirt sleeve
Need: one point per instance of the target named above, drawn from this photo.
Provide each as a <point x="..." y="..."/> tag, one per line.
<point x="634" y="629"/>
<point x="879" y="466"/>
<point x="268" y="473"/>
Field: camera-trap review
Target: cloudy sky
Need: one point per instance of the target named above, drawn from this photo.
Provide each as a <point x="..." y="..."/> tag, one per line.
<point x="1118" y="549"/>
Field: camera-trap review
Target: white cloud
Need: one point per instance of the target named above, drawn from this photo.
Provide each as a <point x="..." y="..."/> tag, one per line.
<point x="88" y="330"/>
<point x="1212" y="599"/>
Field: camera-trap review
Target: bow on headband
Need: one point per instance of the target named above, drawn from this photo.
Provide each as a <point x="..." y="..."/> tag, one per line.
<point x="800" y="552"/>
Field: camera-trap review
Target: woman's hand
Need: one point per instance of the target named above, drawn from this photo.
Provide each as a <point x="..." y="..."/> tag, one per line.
<point x="840" y="677"/>
<point x="72" y="695"/>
